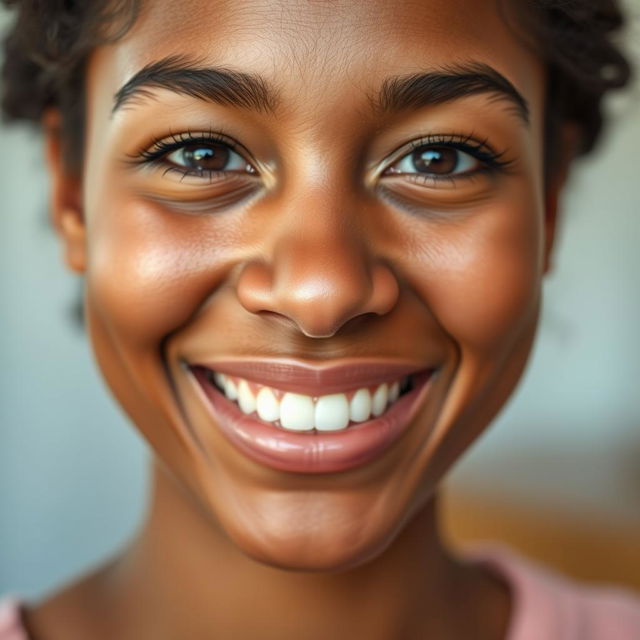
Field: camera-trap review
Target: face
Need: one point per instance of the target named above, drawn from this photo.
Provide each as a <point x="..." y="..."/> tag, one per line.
<point x="334" y="210"/>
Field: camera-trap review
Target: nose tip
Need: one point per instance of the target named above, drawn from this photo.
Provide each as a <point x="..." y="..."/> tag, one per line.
<point x="319" y="296"/>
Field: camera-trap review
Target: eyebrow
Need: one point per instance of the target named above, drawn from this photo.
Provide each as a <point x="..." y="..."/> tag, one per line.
<point x="214" y="84"/>
<point x="249" y="91"/>
<point x="450" y="83"/>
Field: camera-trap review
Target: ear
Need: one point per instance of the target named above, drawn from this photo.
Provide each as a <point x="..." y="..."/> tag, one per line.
<point x="65" y="200"/>
<point x="568" y="142"/>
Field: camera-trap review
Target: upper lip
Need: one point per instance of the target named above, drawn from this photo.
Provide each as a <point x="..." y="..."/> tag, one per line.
<point x="312" y="379"/>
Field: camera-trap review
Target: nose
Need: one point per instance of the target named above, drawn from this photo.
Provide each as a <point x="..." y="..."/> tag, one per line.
<point x="322" y="272"/>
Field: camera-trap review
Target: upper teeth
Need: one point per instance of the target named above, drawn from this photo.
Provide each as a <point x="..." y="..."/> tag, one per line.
<point x="300" y="412"/>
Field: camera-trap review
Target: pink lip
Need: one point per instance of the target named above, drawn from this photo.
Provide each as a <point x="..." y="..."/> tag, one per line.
<point x="313" y="380"/>
<point x="313" y="452"/>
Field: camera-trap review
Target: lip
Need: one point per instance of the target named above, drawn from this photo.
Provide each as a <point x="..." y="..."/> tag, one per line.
<point x="314" y="452"/>
<point x="300" y="377"/>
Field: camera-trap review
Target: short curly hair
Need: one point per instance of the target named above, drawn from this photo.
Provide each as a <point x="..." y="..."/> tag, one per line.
<point x="47" y="49"/>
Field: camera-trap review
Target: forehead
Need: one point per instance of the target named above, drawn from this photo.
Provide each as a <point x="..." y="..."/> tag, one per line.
<point x="313" y="49"/>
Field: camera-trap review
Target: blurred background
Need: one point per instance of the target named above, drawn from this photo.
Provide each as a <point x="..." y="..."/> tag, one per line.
<point x="557" y="476"/>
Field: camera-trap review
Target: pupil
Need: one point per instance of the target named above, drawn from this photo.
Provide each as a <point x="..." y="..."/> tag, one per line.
<point x="209" y="158"/>
<point x="439" y="160"/>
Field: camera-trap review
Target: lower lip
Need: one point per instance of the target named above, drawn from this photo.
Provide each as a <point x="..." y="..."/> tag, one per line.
<point x="315" y="452"/>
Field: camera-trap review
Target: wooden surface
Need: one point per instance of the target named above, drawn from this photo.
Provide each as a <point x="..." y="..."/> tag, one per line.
<point x="579" y="546"/>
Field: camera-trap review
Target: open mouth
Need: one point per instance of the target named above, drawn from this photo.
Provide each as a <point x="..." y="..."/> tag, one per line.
<point x="305" y="419"/>
<point x="302" y="412"/>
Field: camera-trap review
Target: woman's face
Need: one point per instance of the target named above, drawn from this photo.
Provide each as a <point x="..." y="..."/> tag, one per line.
<point x="315" y="199"/>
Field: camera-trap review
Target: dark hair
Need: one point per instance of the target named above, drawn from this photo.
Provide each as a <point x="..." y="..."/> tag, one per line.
<point x="45" y="55"/>
<point x="47" y="49"/>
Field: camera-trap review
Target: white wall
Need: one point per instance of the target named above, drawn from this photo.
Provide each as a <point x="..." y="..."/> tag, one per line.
<point x="72" y="472"/>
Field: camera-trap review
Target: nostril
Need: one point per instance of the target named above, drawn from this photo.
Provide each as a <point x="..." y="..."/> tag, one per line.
<point x="319" y="296"/>
<point x="385" y="290"/>
<point x="254" y="287"/>
<point x="356" y="323"/>
<point x="280" y="318"/>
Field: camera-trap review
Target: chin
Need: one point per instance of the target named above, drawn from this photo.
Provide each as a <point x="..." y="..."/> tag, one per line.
<point x="334" y="544"/>
<point x="323" y="556"/>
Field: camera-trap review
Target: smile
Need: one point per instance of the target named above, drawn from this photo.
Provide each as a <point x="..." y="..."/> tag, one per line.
<point x="304" y="419"/>
<point x="302" y="412"/>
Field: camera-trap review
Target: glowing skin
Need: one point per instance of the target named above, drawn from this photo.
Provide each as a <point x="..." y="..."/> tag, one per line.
<point x="322" y="245"/>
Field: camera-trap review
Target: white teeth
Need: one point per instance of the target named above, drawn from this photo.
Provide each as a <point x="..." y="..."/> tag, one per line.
<point x="230" y="389"/>
<point x="299" y="412"/>
<point x="379" y="400"/>
<point x="360" y="406"/>
<point x="267" y="405"/>
<point x="246" y="399"/>
<point x="332" y="412"/>
<point x="296" y="412"/>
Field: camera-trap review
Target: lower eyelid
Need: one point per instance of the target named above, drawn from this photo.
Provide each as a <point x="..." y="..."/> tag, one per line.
<point x="181" y="175"/>
<point x="434" y="178"/>
<point x="447" y="197"/>
<point x="186" y="203"/>
<point x="426" y="185"/>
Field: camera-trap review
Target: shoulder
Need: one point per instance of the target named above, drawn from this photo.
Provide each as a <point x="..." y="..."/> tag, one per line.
<point x="77" y="611"/>
<point x="11" y="627"/>
<point x="549" y="605"/>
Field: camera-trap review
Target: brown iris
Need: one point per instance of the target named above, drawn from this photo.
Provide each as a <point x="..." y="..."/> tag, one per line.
<point x="438" y="160"/>
<point x="198" y="157"/>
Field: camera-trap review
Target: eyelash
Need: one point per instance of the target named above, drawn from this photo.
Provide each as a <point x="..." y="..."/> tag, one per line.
<point x="479" y="149"/>
<point x="154" y="153"/>
<point x="491" y="160"/>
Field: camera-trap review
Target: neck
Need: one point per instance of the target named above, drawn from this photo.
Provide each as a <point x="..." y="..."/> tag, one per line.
<point x="183" y="578"/>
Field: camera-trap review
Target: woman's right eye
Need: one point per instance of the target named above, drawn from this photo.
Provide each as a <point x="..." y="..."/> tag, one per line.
<point x="205" y="155"/>
<point x="207" y="159"/>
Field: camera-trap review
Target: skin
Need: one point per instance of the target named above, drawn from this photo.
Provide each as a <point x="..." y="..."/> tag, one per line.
<point x="319" y="264"/>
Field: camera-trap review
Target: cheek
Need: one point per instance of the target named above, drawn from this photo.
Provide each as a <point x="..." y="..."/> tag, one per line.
<point x="482" y="279"/>
<point x="150" y="270"/>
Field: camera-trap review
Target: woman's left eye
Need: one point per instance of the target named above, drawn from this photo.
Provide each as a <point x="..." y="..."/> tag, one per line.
<point x="436" y="161"/>
<point x="207" y="158"/>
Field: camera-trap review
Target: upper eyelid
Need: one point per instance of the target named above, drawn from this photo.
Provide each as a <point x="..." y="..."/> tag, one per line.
<point x="465" y="143"/>
<point x="478" y="148"/>
<point x="159" y="147"/>
<point x="154" y="152"/>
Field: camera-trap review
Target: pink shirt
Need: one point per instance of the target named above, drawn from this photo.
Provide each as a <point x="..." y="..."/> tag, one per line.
<point x="10" y="624"/>
<point x="549" y="606"/>
<point x="546" y="606"/>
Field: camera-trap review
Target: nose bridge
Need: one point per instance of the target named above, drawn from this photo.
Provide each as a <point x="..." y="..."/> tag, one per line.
<point x="323" y="268"/>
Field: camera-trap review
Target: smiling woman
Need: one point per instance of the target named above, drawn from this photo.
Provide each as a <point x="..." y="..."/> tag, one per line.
<point x="313" y="237"/>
